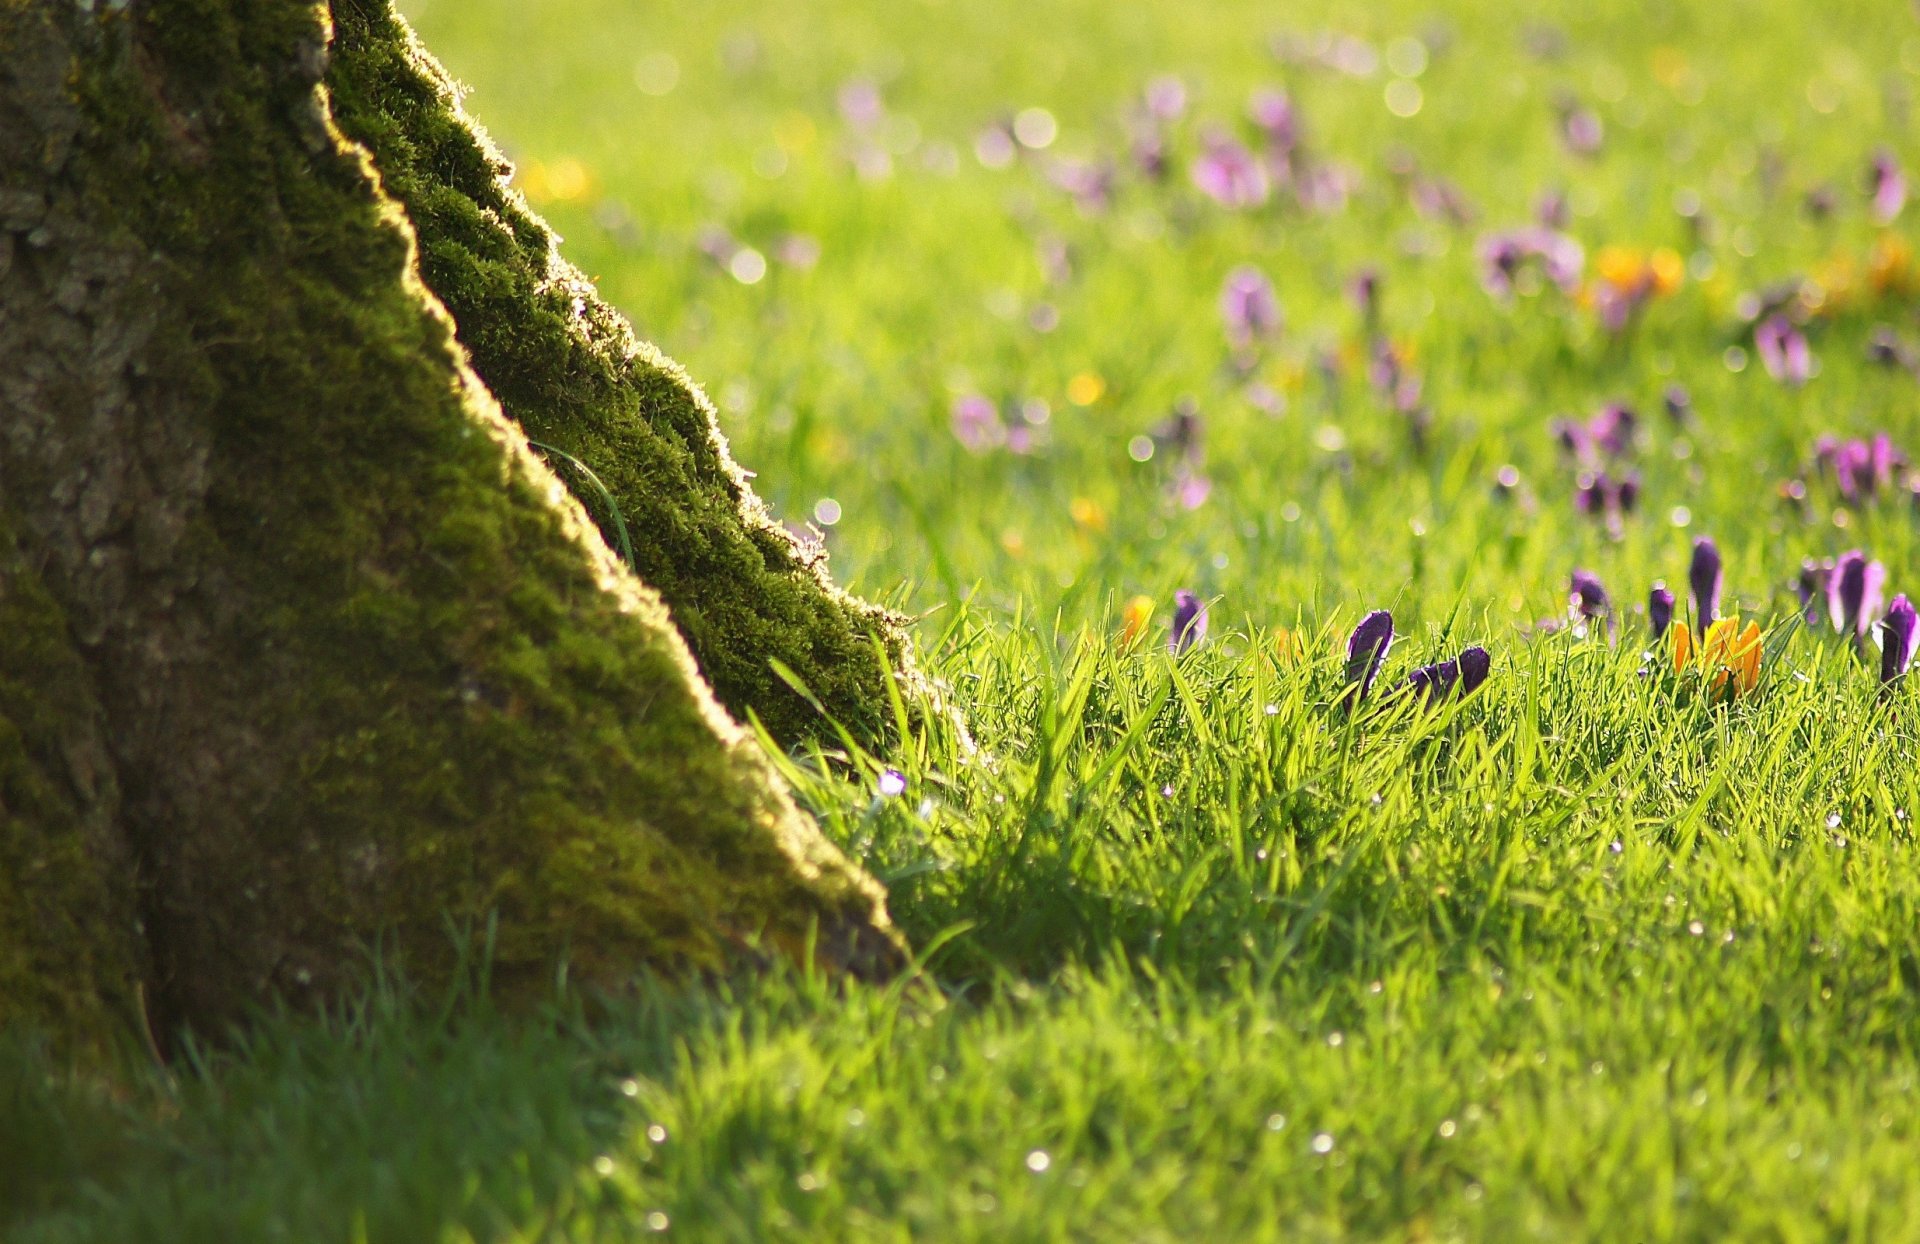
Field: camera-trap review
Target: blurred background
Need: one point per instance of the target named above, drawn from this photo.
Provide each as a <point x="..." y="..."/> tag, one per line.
<point x="1055" y="302"/>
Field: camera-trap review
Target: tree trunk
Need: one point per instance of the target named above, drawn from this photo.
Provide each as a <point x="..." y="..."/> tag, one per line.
<point x="304" y="652"/>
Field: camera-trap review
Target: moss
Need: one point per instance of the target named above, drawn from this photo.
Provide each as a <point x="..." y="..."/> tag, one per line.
<point x="436" y="697"/>
<point x="568" y="368"/>
<point x="69" y="957"/>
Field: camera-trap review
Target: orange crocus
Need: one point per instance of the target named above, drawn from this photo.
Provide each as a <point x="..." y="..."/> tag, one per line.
<point x="1728" y="656"/>
<point x="1134" y="618"/>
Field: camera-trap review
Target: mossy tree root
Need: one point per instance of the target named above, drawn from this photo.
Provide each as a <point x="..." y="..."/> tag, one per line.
<point x="304" y="650"/>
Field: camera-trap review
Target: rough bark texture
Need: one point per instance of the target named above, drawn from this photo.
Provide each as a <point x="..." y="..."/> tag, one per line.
<point x="294" y="621"/>
<point x="567" y="367"/>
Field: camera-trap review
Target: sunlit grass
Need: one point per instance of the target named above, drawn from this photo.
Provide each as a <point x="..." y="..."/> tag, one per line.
<point x="1593" y="953"/>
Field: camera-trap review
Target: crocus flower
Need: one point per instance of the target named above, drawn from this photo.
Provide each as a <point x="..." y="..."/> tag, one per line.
<point x="1732" y="656"/>
<point x="1189" y="622"/>
<point x="1475" y="664"/>
<point x="1815" y="578"/>
<point x="976" y="424"/>
<point x="1783" y="350"/>
<point x="1503" y="256"/>
<point x="1612" y="428"/>
<point x="1887" y="186"/>
<point x="1580" y="127"/>
<point x="1587" y="600"/>
<point x="1273" y="112"/>
<point x="1249" y="307"/>
<point x="1853" y="593"/>
<point x="1899" y="636"/>
<point x="1703" y="579"/>
<point x="1659" y="610"/>
<point x="1228" y="173"/>
<point x="1465" y="672"/>
<point x="1367" y="652"/>
<point x="1134" y="618"/>
<point x="1166" y="97"/>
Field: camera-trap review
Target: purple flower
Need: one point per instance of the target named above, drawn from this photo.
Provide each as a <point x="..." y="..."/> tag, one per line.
<point x="1853" y="593"/>
<point x="1090" y="182"/>
<point x="1553" y="211"/>
<point x="1783" y="350"/>
<point x="1166" y="97"/>
<point x="1273" y="112"/>
<point x="1678" y="401"/>
<point x="1587" y="600"/>
<point x="1899" y="636"/>
<point x="1612" y="427"/>
<point x="1249" y="307"/>
<point x="1189" y="622"/>
<point x="1815" y="578"/>
<point x="976" y="424"/>
<point x="1580" y="128"/>
<point x="1227" y="173"/>
<point x="1475" y="664"/>
<point x="1465" y="672"/>
<point x="1887" y="186"/>
<point x="1703" y="578"/>
<point x="1367" y="652"/>
<point x="892" y="783"/>
<point x="1503" y="256"/>
<point x="1659" y="610"/>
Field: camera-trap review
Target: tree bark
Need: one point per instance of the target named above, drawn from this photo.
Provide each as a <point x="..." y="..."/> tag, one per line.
<point x="305" y="653"/>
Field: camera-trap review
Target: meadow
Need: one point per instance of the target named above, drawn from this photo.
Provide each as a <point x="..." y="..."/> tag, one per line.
<point x="1038" y="315"/>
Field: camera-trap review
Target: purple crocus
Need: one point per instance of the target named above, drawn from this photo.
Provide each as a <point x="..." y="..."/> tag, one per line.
<point x="1503" y="256"/>
<point x="1783" y="350"/>
<point x="1816" y="576"/>
<point x="1580" y="127"/>
<point x="1659" y="609"/>
<point x="1612" y="427"/>
<point x="1886" y="186"/>
<point x="1587" y="600"/>
<point x="1249" y="306"/>
<point x="976" y="424"/>
<point x="1703" y="579"/>
<point x="1853" y="593"/>
<point x="1367" y="652"/>
<point x="1228" y="173"/>
<point x="1899" y="636"/>
<point x="1189" y="622"/>
<point x="1272" y="111"/>
<point x="1465" y="673"/>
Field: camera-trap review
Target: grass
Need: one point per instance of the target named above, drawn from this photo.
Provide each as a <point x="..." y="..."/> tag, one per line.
<point x="1586" y="955"/>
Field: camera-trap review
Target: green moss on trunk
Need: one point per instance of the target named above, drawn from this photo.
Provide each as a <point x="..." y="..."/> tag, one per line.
<point x="370" y="673"/>
<point x="69" y="932"/>
<point x="567" y="367"/>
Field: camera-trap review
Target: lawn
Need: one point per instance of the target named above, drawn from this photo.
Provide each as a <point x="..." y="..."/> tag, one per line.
<point x="1610" y="948"/>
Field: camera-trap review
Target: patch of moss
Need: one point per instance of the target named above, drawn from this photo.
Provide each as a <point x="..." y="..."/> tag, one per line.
<point x="69" y="940"/>
<point x="569" y="370"/>
<point x="436" y="698"/>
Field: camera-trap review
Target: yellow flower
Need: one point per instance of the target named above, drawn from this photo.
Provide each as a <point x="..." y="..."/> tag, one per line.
<point x="1619" y="266"/>
<point x="1134" y="619"/>
<point x="1088" y="514"/>
<point x="1288" y="648"/>
<point x="1681" y="646"/>
<point x="1085" y="389"/>
<point x="1732" y="655"/>
<point x="1729" y="657"/>
<point x="1890" y="269"/>
<point x="1668" y="270"/>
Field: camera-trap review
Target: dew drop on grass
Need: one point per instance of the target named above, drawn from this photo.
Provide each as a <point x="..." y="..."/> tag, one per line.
<point x="1696" y="928"/>
<point x="1323" y="1142"/>
<point x="1275" y="1122"/>
<point x="603" y="1166"/>
<point x="657" y="1221"/>
<point x="1038" y="1161"/>
<point x="656" y="1134"/>
<point x="630" y="1087"/>
<point x="1140" y="448"/>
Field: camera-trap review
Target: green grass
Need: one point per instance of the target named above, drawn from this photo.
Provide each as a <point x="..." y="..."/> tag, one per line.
<point x="1586" y="955"/>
